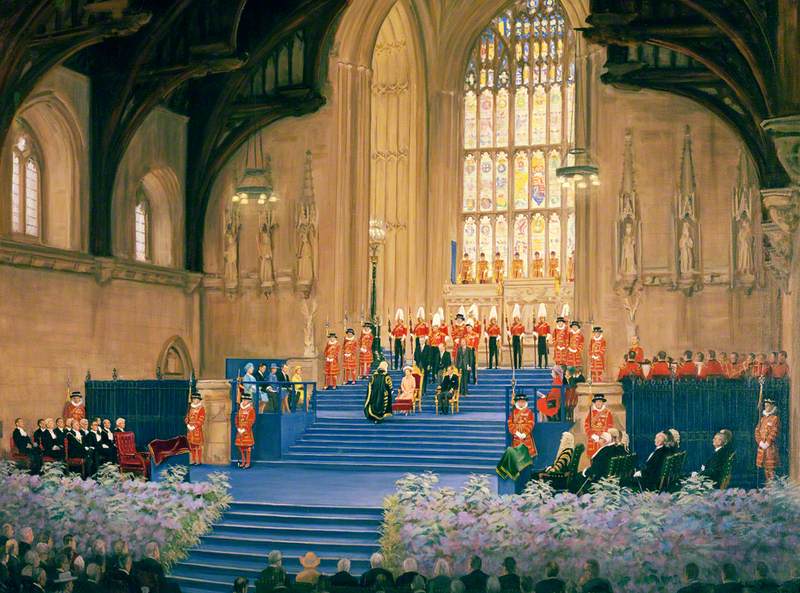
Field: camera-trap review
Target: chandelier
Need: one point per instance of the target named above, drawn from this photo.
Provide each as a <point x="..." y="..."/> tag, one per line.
<point x="256" y="180"/>
<point x="578" y="169"/>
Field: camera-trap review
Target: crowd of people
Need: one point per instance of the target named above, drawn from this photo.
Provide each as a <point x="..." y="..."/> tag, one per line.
<point x="275" y="579"/>
<point x="35" y="563"/>
<point x="278" y="389"/>
<point x="703" y="365"/>
<point x="67" y="438"/>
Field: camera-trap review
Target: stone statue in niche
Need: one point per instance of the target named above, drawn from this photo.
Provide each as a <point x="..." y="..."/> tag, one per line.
<point x="744" y="248"/>
<point x="628" y="261"/>
<point x="306" y="230"/>
<point x="266" y="229"/>
<point x="686" y="246"/>
<point x="309" y="307"/>
<point x="231" y="248"/>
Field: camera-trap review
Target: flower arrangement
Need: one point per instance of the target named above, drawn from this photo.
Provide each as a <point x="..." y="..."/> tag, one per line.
<point x="642" y="540"/>
<point x="114" y="506"/>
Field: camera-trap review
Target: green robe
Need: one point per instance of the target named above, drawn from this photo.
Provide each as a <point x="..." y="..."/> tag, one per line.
<point x="514" y="460"/>
<point x="378" y="404"/>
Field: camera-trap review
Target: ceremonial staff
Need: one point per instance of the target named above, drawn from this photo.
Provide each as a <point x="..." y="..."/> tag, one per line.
<point x="508" y="339"/>
<point x="486" y="341"/>
<point x="389" y="332"/>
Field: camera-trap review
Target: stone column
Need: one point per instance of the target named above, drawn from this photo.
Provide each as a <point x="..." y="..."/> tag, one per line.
<point x="217" y="401"/>
<point x="781" y="247"/>
<point x="613" y="393"/>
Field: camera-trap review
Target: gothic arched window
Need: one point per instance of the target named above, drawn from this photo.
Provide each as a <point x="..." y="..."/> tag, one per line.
<point x="519" y="95"/>
<point x="26" y="187"/>
<point x="142" y="228"/>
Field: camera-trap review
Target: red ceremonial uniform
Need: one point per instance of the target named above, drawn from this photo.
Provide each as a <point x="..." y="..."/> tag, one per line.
<point x="560" y="344"/>
<point x="686" y="369"/>
<point x="421" y="329"/>
<point x="596" y="423"/>
<point x="767" y="432"/>
<point x="517" y="329"/>
<point x="597" y="358"/>
<point x="660" y="368"/>
<point x="365" y="353"/>
<point x="458" y="333"/>
<point x="630" y="369"/>
<point x="639" y="353"/>
<point x="75" y="412"/>
<point x="733" y="371"/>
<point x="332" y="350"/>
<point x="437" y="336"/>
<point x="522" y="421"/>
<point x="350" y="359"/>
<point x="575" y="348"/>
<point x="399" y="331"/>
<point x="473" y="339"/>
<point x="712" y="368"/>
<point x="542" y="328"/>
<point x="493" y="330"/>
<point x="759" y="369"/>
<point x="245" y="418"/>
<point x="195" y="417"/>
<point x="780" y="370"/>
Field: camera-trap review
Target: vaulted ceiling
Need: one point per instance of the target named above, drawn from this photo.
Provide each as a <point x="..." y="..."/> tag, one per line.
<point x="214" y="61"/>
<point x="724" y="54"/>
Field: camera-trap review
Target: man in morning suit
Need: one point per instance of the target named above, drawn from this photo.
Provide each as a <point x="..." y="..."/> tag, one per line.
<point x="475" y="581"/>
<point x="714" y="467"/>
<point x="602" y="458"/>
<point x="24" y="445"/>
<point x="691" y="576"/>
<point x="650" y="474"/>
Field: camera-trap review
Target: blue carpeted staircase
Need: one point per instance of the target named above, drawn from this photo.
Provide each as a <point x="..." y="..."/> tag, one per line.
<point x="247" y="532"/>
<point x="342" y="440"/>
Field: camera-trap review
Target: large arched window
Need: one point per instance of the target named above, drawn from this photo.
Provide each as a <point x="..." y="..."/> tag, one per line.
<point x="26" y="187"/>
<point x="519" y="95"/>
<point x="142" y="228"/>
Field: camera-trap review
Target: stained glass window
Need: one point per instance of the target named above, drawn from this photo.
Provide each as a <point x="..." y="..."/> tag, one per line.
<point x="519" y="93"/>
<point x="26" y="187"/>
<point x="141" y="250"/>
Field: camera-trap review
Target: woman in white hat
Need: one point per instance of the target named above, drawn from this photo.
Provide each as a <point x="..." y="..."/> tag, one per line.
<point x="408" y="386"/>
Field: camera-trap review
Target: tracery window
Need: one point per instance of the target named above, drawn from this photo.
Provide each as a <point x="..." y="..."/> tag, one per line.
<point x="519" y="95"/>
<point x="142" y="228"/>
<point x="26" y="187"/>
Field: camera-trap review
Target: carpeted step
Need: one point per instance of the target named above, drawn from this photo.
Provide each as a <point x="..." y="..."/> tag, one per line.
<point x="456" y="466"/>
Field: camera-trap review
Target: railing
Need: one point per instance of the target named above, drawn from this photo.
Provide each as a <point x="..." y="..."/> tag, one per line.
<point x="533" y="390"/>
<point x="263" y="403"/>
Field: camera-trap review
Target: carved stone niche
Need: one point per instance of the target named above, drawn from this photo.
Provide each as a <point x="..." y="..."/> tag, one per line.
<point x="783" y="205"/>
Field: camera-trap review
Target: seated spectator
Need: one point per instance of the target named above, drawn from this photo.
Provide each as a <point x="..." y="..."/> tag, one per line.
<point x="686" y="369"/>
<point x="13" y="564"/>
<point x="713" y="468"/>
<point x="381" y="584"/>
<point x="26" y="447"/>
<point x="780" y="368"/>
<point x="25" y="540"/>
<point x="52" y="445"/>
<point x="590" y="581"/>
<point x="91" y="582"/>
<point x="274" y="575"/>
<point x="691" y="576"/>
<point x="419" y="584"/>
<point x="551" y="583"/>
<point x="630" y="368"/>
<point x="712" y="368"/>
<point x="148" y="571"/>
<point x="119" y="578"/>
<point x="732" y="369"/>
<point x="763" y="583"/>
<point x="673" y="439"/>
<point x="457" y="586"/>
<point x="650" y="474"/>
<point x="376" y="568"/>
<point x="405" y="580"/>
<point x="447" y="389"/>
<point x="442" y="577"/>
<point x="759" y="368"/>
<point x="343" y="578"/>
<point x="6" y="533"/>
<point x="526" y="585"/>
<point x="240" y="585"/>
<point x="600" y="461"/>
<point x="509" y="580"/>
<point x="38" y="580"/>
<point x="119" y="425"/>
<point x="730" y="580"/>
<point x="660" y="367"/>
<point x="64" y="583"/>
<point x="475" y="580"/>
<point x="492" y="585"/>
<point x="309" y="561"/>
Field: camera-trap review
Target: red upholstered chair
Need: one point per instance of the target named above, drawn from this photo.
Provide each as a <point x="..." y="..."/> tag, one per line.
<point x="16" y="456"/>
<point x="131" y="460"/>
<point x="74" y="463"/>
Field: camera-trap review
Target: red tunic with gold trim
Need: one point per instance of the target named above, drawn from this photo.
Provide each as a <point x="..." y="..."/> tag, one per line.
<point x="733" y="370"/>
<point x="767" y="431"/>
<point x="75" y="412"/>
<point x="712" y="368"/>
<point x="332" y="350"/>
<point x="421" y="329"/>
<point x="195" y="417"/>
<point x="473" y="338"/>
<point x="686" y="370"/>
<point x="639" y="353"/>
<point x="596" y="423"/>
<point x="542" y="328"/>
<point x="780" y="370"/>
<point x="597" y="358"/>
<point x="630" y="369"/>
<point x="437" y="336"/>
<point x="575" y="348"/>
<point x="458" y="333"/>
<point x="493" y="330"/>
<point x="522" y="421"/>
<point x="760" y="369"/>
<point x="560" y="344"/>
<point x="365" y="350"/>
<point x="245" y="418"/>
<point x="399" y="331"/>
<point x="350" y="358"/>
<point x="659" y="368"/>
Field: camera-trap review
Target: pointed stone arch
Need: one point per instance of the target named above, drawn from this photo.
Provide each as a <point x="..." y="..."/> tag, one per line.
<point x="175" y="361"/>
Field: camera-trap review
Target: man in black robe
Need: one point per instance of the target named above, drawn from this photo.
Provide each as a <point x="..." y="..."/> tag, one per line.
<point x="378" y="404"/>
<point x="601" y="461"/>
<point x="24" y="445"/>
<point x="715" y="466"/>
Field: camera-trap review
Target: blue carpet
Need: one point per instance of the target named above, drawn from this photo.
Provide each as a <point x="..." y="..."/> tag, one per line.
<point x="325" y="494"/>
